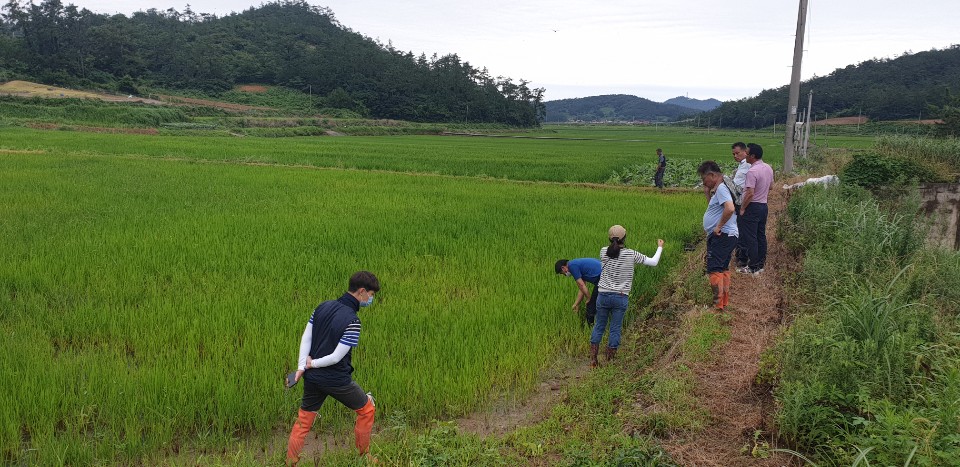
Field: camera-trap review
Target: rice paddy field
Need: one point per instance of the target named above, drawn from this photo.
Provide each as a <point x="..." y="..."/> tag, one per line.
<point x="558" y="160"/>
<point x="153" y="288"/>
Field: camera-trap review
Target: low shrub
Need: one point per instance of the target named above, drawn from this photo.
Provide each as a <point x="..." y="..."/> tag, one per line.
<point x="877" y="170"/>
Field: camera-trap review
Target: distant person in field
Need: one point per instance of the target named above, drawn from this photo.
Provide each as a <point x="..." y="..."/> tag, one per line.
<point x="720" y="225"/>
<point x="753" y="210"/>
<point x="582" y="270"/>
<point x="661" y="168"/>
<point x="324" y="363"/>
<point x="740" y="155"/>
<point x="616" y="280"/>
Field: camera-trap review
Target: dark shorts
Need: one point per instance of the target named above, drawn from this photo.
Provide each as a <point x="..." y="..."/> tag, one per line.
<point x="351" y="396"/>
<point x="719" y="249"/>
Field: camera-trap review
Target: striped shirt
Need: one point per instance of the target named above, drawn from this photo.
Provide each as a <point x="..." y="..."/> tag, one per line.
<point x="351" y="335"/>
<point x="617" y="273"/>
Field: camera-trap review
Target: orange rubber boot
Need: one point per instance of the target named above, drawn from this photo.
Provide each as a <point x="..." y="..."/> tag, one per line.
<point x="716" y="283"/>
<point x="297" y="436"/>
<point x="726" y="288"/>
<point x="364" y="426"/>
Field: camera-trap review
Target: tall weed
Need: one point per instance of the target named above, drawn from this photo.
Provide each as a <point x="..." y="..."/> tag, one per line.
<point x="870" y="375"/>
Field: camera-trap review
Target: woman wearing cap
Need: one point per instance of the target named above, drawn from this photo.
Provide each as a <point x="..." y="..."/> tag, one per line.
<point x="616" y="279"/>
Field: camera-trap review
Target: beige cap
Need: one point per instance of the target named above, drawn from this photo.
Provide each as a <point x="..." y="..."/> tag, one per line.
<point x="617" y="231"/>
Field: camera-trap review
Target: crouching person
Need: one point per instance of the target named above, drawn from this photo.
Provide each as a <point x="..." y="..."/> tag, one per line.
<point x="720" y="225"/>
<point x="324" y="364"/>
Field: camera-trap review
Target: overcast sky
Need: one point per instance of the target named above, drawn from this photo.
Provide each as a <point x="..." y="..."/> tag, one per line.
<point x="654" y="49"/>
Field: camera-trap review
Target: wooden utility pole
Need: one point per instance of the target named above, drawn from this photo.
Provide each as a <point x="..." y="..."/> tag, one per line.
<point x="789" y="146"/>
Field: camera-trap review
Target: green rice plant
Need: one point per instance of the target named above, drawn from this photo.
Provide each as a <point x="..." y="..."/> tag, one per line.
<point x="154" y="305"/>
<point x="586" y="161"/>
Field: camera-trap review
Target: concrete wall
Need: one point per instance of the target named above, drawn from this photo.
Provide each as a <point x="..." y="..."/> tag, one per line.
<point x="941" y="201"/>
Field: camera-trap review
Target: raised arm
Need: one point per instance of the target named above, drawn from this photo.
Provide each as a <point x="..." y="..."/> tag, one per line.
<point x="655" y="260"/>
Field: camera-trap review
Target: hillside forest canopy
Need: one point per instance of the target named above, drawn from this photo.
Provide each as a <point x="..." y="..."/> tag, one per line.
<point x="286" y="43"/>
<point x="914" y="86"/>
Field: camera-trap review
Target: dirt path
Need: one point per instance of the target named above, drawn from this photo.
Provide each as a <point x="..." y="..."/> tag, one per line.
<point x="726" y="386"/>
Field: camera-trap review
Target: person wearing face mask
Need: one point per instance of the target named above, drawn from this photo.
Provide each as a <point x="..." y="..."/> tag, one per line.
<point x="582" y="270"/>
<point x="324" y="363"/>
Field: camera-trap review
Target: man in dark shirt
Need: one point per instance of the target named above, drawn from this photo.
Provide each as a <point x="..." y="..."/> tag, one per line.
<point x="661" y="168"/>
<point x="324" y="363"/>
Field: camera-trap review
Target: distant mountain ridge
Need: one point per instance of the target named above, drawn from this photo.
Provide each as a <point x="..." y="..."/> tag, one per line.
<point x="622" y="107"/>
<point x="910" y="86"/>
<point x="702" y="105"/>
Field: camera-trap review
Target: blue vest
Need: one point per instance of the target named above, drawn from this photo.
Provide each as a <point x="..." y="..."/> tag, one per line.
<point x="330" y="319"/>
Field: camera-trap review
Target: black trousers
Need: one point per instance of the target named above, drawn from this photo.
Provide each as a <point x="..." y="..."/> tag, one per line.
<point x="351" y="395"/>
<point x="592" y="306"/>
<point x="719" y="248"/>
<point x="753" y="237"/>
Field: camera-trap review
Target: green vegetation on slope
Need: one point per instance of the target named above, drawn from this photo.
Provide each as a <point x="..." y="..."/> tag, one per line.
<point x="284" y="43"/>
<point x="871" y="364"/>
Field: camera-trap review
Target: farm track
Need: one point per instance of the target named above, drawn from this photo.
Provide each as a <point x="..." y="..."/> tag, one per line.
<point x="726" y="385"/>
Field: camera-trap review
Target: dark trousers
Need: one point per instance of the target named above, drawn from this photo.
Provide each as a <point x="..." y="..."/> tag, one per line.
<point x="753" y="237"/>
<point x="719" y="248"/>
<point x="351" y="395"/>
<point x="741" y="251"/>
<point x="592" y="306"/>
<point x="658" y="178"/>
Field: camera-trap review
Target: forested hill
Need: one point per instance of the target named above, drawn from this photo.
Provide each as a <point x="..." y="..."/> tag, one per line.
<point x="286" y="43"/>
<point x="696" y="104"/>
<point x="612" y="107"/>
<point x="908" y="87"/>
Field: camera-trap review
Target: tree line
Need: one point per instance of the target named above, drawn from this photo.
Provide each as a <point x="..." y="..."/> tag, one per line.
<point x="284" y="43"/>
<point x="911" y="86"/>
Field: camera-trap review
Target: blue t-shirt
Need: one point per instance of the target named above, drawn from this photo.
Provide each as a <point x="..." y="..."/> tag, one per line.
<point x="586" y="268"/>
<point x="711" y="217"/>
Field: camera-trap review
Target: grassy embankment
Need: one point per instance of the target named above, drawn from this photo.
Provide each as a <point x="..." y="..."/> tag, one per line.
<point x="870" y="369"/>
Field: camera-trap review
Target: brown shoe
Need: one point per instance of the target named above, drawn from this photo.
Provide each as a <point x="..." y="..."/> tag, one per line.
<point x="594" y="350"/>
<point x="611" y="353"/>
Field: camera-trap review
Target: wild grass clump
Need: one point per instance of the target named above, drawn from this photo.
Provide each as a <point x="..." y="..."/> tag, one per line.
<point x="869" y="365"/>
<point x="942" y="150"/>
<point x="88" y="112"/>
